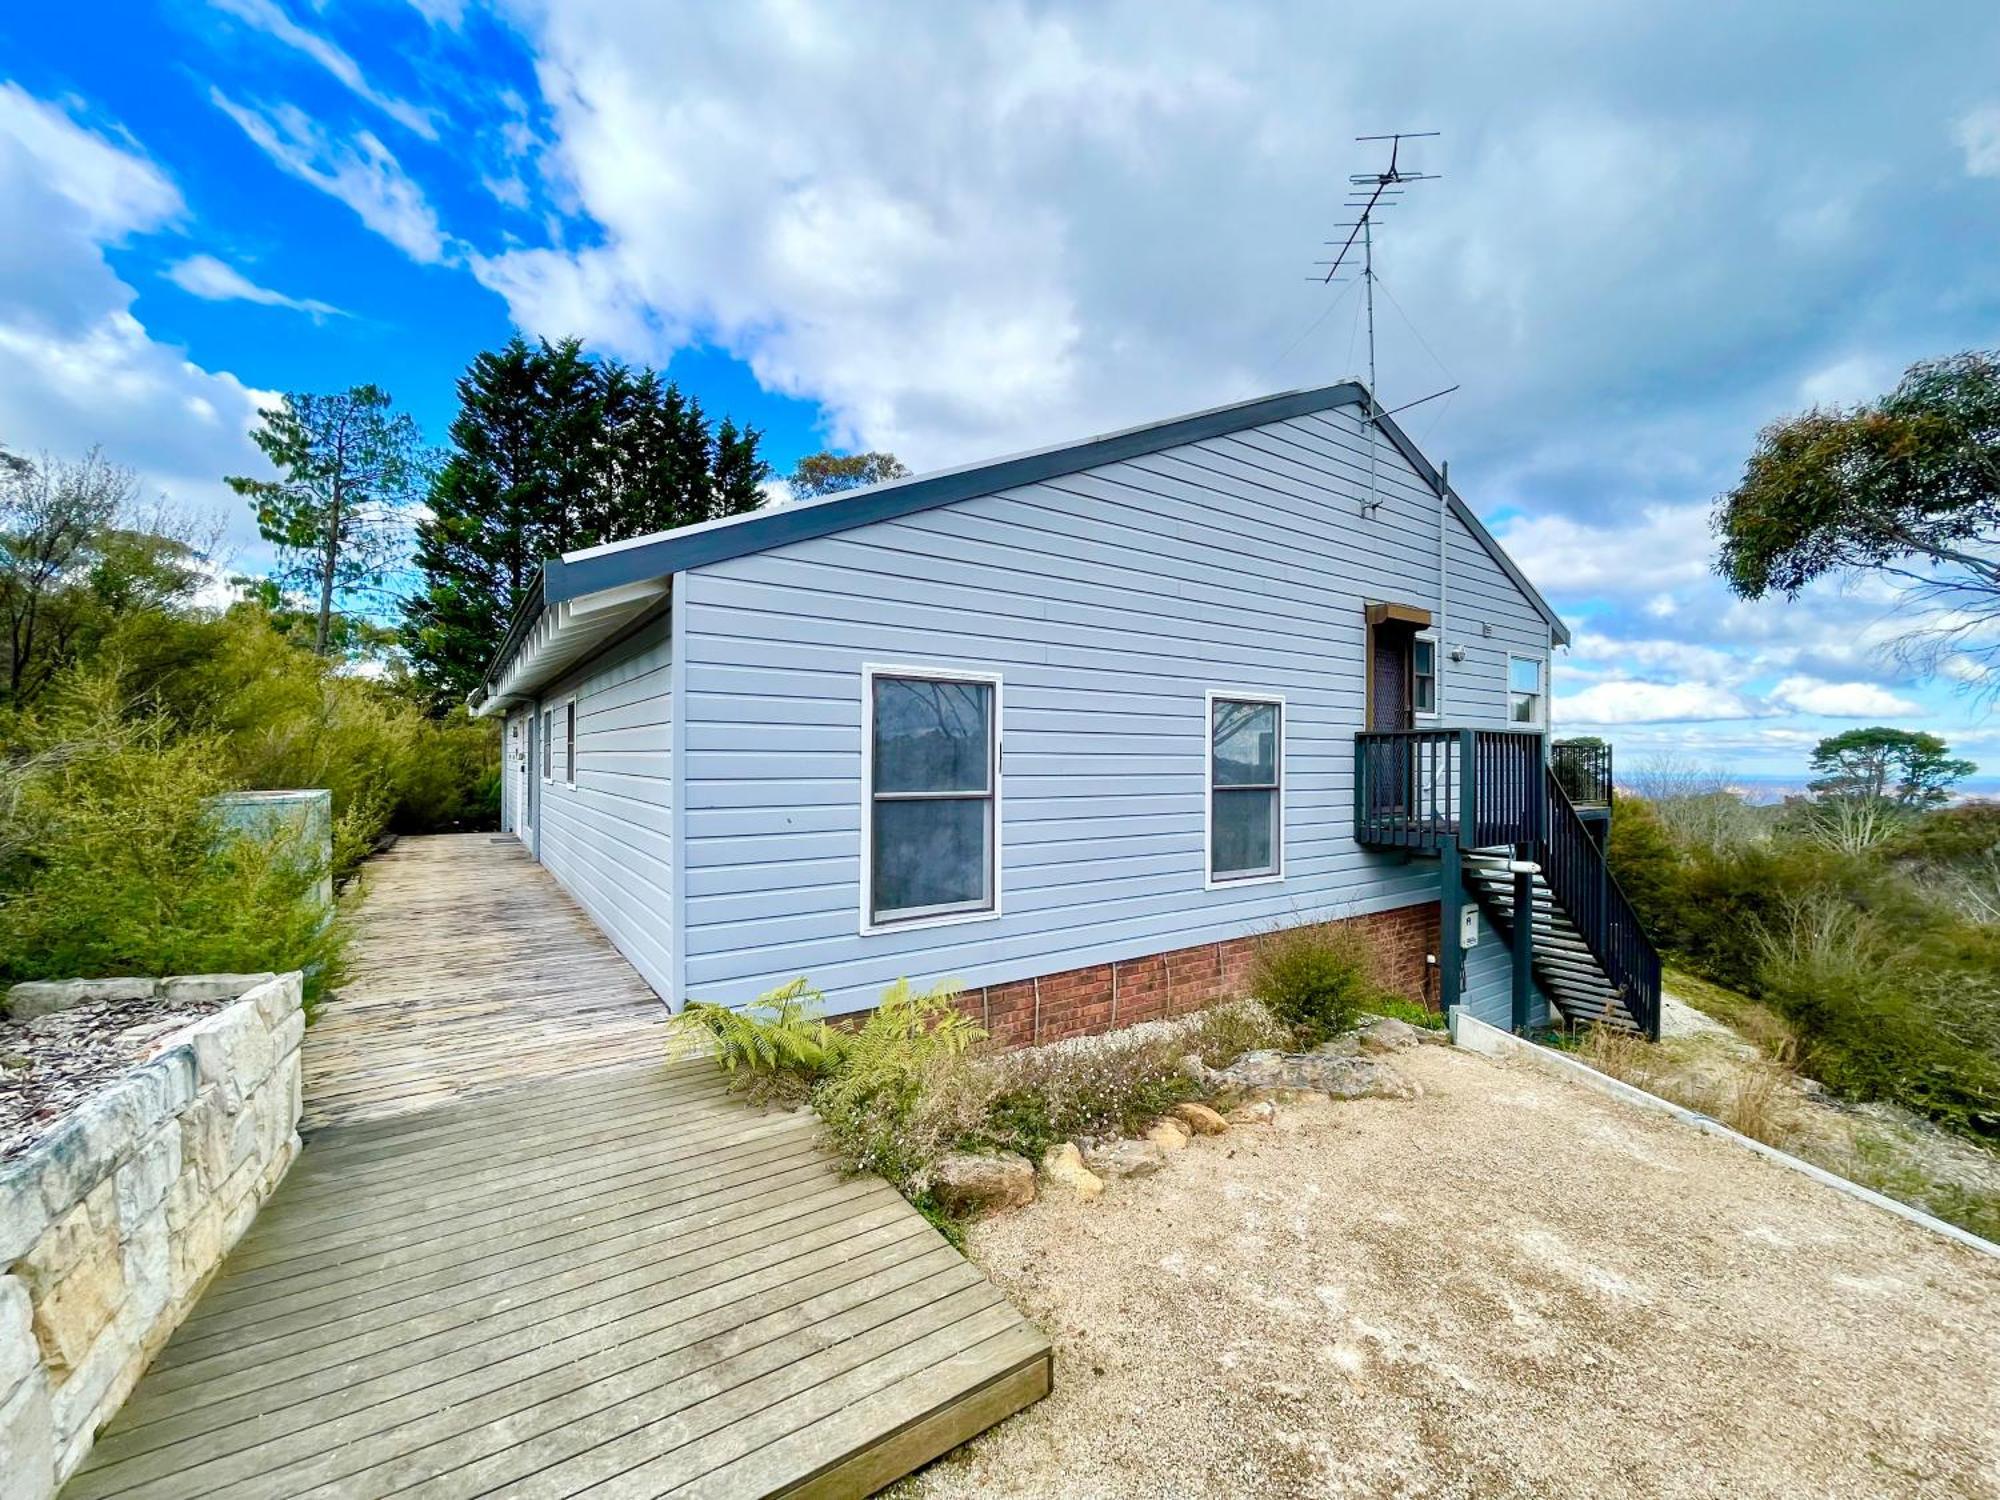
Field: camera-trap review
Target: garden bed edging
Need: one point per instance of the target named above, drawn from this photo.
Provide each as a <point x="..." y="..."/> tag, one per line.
<point x="112" y="1224"/>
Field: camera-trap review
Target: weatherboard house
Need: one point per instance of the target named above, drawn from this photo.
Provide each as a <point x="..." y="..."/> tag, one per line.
<point x="1073" y="728"/>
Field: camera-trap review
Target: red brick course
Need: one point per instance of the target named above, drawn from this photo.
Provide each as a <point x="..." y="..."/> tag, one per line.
<point x="1102" y="997"/>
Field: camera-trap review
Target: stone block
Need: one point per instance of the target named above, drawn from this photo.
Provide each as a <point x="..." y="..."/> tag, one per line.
<point x="279" y="998"/>
<point x="148" y="1277"/>
<point x="144" y="1180"/>
<point x="83" y="1399"/>
<point x="288" y="1034"/>
<point x="88" y="1146"/>
<point x="44" y="997"/>
<point x="27" y="1447"/>
<point x="24" y="1218"/>
<point x="196" y="1249"/>
<point x="207" y="987"/>
<point x="72" y="1310"/>
<point x="19" y="1354"/>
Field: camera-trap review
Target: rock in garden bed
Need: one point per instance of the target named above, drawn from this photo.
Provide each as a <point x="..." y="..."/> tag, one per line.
<point x="977" y="1182"/>
<point x="1333" y="1070"/>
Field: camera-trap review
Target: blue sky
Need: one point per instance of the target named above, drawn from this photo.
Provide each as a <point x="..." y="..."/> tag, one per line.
<point x="959" y="232"/>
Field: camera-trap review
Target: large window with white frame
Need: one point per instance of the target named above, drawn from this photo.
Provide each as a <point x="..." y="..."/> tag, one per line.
<point x="1424" y="676"/>
<point x="1246" y="770"/>
<point x="569" y="741"/>
<point x="1525" y="691"/>
<point x="931" y="819"/>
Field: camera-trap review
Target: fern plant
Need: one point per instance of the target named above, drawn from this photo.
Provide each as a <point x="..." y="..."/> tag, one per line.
<point x="901" y="1095"/>
<point x="781" y="1031"/>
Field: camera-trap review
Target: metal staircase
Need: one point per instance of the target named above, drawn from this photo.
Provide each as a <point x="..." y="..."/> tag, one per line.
<point x="1566" y="971"/>
<point x="1482" y="799"/>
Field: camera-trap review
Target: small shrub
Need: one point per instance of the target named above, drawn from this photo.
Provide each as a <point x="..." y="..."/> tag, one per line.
<point x="902" y="1091"/>
<point x="118" y="864"/>
<point x="1316" y="978"/>
<point x="1102" y="1086"/>
<point x="1223" y="1033"/>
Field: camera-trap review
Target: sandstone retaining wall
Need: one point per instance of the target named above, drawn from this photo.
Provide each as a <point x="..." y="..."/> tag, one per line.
<point x="111" y="1226"/>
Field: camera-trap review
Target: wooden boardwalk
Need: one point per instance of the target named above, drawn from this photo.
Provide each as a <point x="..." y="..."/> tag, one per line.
<point x="614" y="1279"/>
<point x="471" y="970"/>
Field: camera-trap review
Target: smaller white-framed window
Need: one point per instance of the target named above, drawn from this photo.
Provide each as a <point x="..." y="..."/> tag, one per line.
<point x="1243" y="750"/>
<point x="548" y="744"/>
<point x="569" y="741"/>
<point x="930" y="796"/>
<point x="1424" y="675"/>
<point x="1525" y="692"/>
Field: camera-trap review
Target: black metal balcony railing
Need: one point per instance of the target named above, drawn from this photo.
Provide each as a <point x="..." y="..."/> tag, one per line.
<point x="1412" y="788"/>
<point x="1583" y="769"/>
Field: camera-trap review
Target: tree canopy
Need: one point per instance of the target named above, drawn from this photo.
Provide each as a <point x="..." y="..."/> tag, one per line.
<point x="1908" y="768"/>
<point x="1907" y="486"/>
<point x="349" y="469"/>
<point x="553" y="450"/>
<point x="77" y="556"/>
<point x="828" y="473"/>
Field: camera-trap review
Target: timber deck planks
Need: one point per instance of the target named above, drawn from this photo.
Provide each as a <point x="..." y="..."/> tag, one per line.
<point x="500" y="1271"/>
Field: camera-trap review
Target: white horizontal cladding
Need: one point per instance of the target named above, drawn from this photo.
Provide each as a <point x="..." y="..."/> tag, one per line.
<point x="606" y="832"/>
<point x="567" y="632"/>
<point x="1111" y="602"/>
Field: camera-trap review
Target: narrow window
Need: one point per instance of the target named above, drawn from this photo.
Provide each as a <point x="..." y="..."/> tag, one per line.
<point x="1245" y="772"/>
<point x="1423" y="677"/>
<point x="548" y="745"/>
<point x="933" y="771"/>
<point x="1524" y="691"/>
<point x="569" y="742"/>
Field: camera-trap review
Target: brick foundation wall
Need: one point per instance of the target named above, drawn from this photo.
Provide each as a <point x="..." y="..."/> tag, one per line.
<point x="1102" y="997"/>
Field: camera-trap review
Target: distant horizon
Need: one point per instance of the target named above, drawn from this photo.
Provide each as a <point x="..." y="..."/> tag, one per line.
<point x="1779" y="782"/>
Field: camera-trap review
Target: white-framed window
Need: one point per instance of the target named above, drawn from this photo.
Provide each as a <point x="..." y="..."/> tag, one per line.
<point x="1424" y="675"/>
<point x="930" y="788"/>
<point x="569" y="741"/>
<point x="548" y="744"/>
<point x="1524" y="691"/>
<point x="1245" y="753"/>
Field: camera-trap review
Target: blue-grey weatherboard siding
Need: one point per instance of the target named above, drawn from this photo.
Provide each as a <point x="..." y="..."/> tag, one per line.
<point x="608" y="838"/>
<point x="1489" y="982"/>
<point x="1110" y="601"/>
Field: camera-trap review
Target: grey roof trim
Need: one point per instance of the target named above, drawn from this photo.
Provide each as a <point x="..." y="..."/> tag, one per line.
<point x="718" y="541"/>
<point x="592" y="569"/>
<point x="1473" y="524"/>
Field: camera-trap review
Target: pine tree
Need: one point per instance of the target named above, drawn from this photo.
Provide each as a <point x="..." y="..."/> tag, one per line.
<point x="349" y="468"/>
<point x="553" y="450"/>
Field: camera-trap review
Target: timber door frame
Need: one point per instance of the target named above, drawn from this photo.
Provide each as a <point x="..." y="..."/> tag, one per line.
<point x="1408" y="620"/>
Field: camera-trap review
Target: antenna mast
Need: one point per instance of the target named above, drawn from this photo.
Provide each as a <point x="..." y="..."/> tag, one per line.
<point x="1371" y="193"/>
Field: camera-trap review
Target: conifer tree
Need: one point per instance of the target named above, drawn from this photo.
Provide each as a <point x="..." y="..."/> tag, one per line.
<point x="553" y="450"/>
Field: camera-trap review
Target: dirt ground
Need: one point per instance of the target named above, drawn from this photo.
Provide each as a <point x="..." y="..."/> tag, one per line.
<point x="1510" y="1286"/>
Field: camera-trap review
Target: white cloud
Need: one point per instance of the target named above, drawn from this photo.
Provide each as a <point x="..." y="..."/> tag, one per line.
<point x="1628" y="702"/>
<point x="270" y="18"/>
<point x="1842" y="700"/>
<point x="212" y="280"/>
<point x="1978" y="136"/>
<point x="361" y="172"/>
<point x="447" y="13"/>
<point x="1654" y="547"/>
<point x="112" y="186"/>
<point x="77" y="368"/>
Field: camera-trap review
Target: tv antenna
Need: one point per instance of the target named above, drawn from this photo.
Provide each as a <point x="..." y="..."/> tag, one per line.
<point x="1371" y="194"/>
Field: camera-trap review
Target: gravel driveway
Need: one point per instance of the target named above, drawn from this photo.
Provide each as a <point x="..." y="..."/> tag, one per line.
<point x="1510" y="1286"/>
